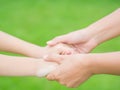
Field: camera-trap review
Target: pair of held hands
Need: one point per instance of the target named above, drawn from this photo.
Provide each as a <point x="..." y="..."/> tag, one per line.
<point x="74" y="67"/>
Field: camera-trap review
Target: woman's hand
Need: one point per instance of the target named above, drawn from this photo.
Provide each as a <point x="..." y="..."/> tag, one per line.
<point x="73" y="69"/>
<point x="87" y="39"/>
<point x="81" y="40"/>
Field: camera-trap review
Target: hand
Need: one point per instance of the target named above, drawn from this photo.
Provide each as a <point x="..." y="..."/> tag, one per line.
<point x="73" y="69"/>
<point x="87" y="39"/>
<point x="61" y="49"/>
<point x="81" y="40"/>
<point x="44" y="68"/>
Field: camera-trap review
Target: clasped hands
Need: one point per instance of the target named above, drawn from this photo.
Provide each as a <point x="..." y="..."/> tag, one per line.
<point x="67" y="58"/>
<point x="73" y="68"/>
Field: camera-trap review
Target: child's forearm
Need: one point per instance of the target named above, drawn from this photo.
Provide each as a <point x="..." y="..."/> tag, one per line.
<point x="106" y="63"/>
<point x="106" y="28"/>
<point x="12" y="44"/>
<point x="17" y="66"/>
<point x="23" y="66"/>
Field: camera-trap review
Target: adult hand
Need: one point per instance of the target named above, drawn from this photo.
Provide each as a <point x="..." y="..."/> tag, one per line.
<point x="87" y="39"/>
<point x="81" y="40"/>
<point x="72" y="71"/>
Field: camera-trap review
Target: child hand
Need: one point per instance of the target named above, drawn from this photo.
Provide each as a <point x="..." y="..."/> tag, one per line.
<point x="61" y="49"/>
<point x="44" y="68"/>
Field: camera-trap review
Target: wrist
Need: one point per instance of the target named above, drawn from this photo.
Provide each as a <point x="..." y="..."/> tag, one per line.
<point x="88" y="63"/>
<point x="35" y="51"/>
<point x="44" y="68"/>
<point x="36" y="66"/>
<point x="91" y="64"/>
<point x="95" y="63"/>
<point x="90" y="37"/>
<point x="97" y="33"/>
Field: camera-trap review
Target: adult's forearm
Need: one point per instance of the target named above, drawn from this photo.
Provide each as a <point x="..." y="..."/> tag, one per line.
<point x="106" y="28"/>
<point x="106" y="63"/>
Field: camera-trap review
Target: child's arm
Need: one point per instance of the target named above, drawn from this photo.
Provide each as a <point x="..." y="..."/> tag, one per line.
<point x="23" y="66"/>
<point x="9" y="43"/>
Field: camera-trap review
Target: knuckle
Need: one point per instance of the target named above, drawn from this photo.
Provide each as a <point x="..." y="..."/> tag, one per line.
<point x="49" y="78"/>
<point x="54" y="76"/>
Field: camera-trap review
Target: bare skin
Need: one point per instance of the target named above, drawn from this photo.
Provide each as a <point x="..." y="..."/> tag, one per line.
<point x="76" y="69"/>
<point x="12" y="44"/>
<point x="87" y="39"/>
<point x="24" y="66"/>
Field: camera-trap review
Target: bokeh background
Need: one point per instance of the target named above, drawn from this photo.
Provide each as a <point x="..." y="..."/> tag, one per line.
<point x="38" y="21"/>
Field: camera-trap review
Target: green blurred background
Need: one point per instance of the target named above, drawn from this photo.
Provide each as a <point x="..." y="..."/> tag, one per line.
<point x="38" y="21"/>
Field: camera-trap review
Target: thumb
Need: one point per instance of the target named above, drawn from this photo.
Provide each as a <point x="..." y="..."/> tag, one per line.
<point x="53" y="58"/>
<point x="59" y="39"/>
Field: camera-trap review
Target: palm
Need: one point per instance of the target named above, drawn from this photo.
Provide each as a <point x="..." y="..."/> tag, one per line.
<point x="85" y="47"/>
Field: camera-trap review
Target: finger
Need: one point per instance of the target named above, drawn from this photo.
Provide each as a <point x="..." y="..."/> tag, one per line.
<point x="53" y="75"/>
<point x="53" y="58"/>
<point x="64" y="49"/>
<point x="59" y="39"/>
<point x="67" y="52"/>
<point x="50" y="77"/>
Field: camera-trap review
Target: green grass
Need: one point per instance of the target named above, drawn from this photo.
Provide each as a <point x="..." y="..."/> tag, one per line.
<point x="38" y="21"/>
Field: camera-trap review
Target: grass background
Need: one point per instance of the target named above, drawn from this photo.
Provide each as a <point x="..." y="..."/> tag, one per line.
<point x="38" y="21"/>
